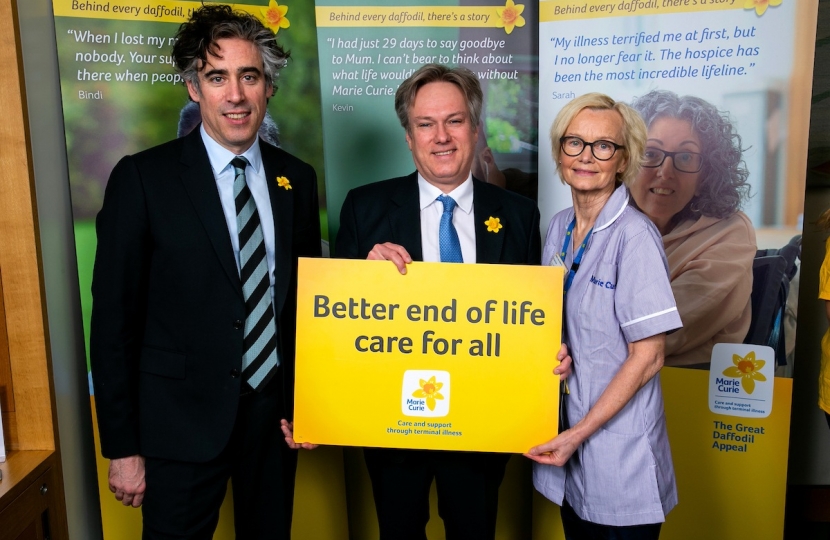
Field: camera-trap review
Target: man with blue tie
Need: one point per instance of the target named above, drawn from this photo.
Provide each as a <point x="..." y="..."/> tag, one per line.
<point x="438" y="214"/>
<point x="194" y="286"/>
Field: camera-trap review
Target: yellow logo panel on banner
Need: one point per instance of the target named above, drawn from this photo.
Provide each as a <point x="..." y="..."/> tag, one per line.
<point x="448" y="356"/>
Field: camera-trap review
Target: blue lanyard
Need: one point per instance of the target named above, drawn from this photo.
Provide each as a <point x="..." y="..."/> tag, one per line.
<point x="577" y="257"/>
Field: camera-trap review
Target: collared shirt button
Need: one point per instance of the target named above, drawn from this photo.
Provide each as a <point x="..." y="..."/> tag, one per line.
<point x="234" y="373"/>
<point x="237" y="324"/>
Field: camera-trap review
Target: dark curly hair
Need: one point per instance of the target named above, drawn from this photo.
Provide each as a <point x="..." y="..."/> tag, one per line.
<point x="196" y="39"/>
<point x="722" y="185"/>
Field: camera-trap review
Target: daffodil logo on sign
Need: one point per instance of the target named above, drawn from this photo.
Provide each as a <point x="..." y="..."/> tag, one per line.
<point x="760" y="6"/>
<point x="425" y="393"/>
<point x="740" y="382"/>
<point x="510" y="16"/>
<point x="274" y="16"/>
<point x="429" y="390"/>
<point x="747" y="369"/>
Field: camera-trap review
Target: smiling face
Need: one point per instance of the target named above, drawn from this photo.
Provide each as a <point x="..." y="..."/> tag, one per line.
<point x="232" y="94"/>
<point x="662" y="192"/>
<point x="440" y="136"/>
<point x="585" y="173"/>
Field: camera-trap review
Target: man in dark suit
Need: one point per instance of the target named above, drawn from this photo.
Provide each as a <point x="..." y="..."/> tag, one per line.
<point x="409" y="218"/>
<point x="193" y="319"/>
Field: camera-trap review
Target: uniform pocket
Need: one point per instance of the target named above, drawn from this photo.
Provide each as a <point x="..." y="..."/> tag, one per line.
<point x="620" y="474"/>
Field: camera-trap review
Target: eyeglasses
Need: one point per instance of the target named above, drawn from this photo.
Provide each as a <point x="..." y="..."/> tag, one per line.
<point x="602" y="150"/>
<point x="688" y="162"/>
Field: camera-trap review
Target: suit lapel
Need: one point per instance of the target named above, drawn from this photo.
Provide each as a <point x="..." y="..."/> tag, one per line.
<point x="282" y="206"/>
<point x="486" y="205"/>
<point x="197" y="177"/>
<point x="405" y="218"/>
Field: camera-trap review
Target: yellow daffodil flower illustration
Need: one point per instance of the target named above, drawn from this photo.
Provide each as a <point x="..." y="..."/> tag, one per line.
<point x="283" y="182"/>
<point x="510" y="16"/>
<point x="429" y="390"/>
<point x="493" y="224"/>
<point x="747" y="369"/>
<point x="274" y="16"/>
<point x="760" y="6"/>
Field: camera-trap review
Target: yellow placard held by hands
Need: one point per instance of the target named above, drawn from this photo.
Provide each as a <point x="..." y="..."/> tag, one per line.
<point x="446" y="357"/>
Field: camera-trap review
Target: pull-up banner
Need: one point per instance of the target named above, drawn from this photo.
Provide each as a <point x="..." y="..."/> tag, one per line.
<point x="728" y="82"/>
<point x="448" y="356"/>
<point x="367" y="48"/>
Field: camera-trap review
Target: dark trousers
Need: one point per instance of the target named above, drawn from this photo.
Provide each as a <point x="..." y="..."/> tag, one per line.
<point x="577" y="528"/>
<point x="467" y="484"/>
<point x="182" y="499"/>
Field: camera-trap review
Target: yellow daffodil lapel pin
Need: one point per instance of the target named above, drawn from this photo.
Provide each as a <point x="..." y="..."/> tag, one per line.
<point x="283" y="182"/>
<point x="493" y="224"/>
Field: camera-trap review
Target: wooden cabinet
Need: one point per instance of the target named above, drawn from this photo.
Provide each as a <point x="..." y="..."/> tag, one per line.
<point x="31" y="491"/>
<point x="34" y="513"/>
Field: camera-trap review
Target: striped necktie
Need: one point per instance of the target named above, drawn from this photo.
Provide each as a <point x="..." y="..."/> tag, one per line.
<point x="448" y="243"/>
<point x="259" y="349"/>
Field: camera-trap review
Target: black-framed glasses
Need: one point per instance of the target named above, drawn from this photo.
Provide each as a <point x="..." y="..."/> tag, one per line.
<point x="602" y="150"/>
<point x="688" y="162"/>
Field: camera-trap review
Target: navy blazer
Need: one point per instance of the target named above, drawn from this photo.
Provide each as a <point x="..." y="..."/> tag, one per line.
<point x="168" y="309"/>
<point x="389" y="211"/>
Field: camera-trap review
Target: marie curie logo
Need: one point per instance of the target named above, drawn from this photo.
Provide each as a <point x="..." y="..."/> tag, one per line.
<point x="425" y="393"/>
<point x="741" y="380"/>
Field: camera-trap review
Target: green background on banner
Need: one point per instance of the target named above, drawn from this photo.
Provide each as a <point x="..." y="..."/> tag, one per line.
<point x="363" y="139"/>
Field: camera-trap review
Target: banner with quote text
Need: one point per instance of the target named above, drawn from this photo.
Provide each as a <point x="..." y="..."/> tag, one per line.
<point x="754" y="65"/>
<point x="448" y="356"/>
<point x="120" y="95"/>
<point x="724" y="89"/>
<point x="367" y="48"/>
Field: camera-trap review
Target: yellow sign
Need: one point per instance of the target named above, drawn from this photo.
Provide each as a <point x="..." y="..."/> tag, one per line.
<point x="720" y="459"/>
<point x="448" y="356"/>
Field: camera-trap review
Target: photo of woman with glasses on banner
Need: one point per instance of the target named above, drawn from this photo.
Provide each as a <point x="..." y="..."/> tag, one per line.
<point x="692" y="186"/>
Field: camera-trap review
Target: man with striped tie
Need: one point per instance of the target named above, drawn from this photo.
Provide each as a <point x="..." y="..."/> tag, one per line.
<point x="193" y="321"/>
<point x="439" y="213"/>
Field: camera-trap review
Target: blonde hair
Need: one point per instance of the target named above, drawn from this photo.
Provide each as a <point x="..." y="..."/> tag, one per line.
<point x="634" y="132"/>
<point x="823" y="220"/>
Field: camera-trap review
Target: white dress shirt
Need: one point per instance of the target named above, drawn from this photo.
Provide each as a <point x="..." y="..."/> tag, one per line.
<point x="220" y="161"/>
<point x="462" y="217"/>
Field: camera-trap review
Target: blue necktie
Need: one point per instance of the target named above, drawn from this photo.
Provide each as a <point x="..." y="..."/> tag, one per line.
<point x="447" y="236"/>
<point x="259" y="346"/>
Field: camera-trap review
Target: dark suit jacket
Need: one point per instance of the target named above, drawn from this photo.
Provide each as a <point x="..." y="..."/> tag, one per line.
<point x="168" y="310"/>
<point x="389" y="211"/>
